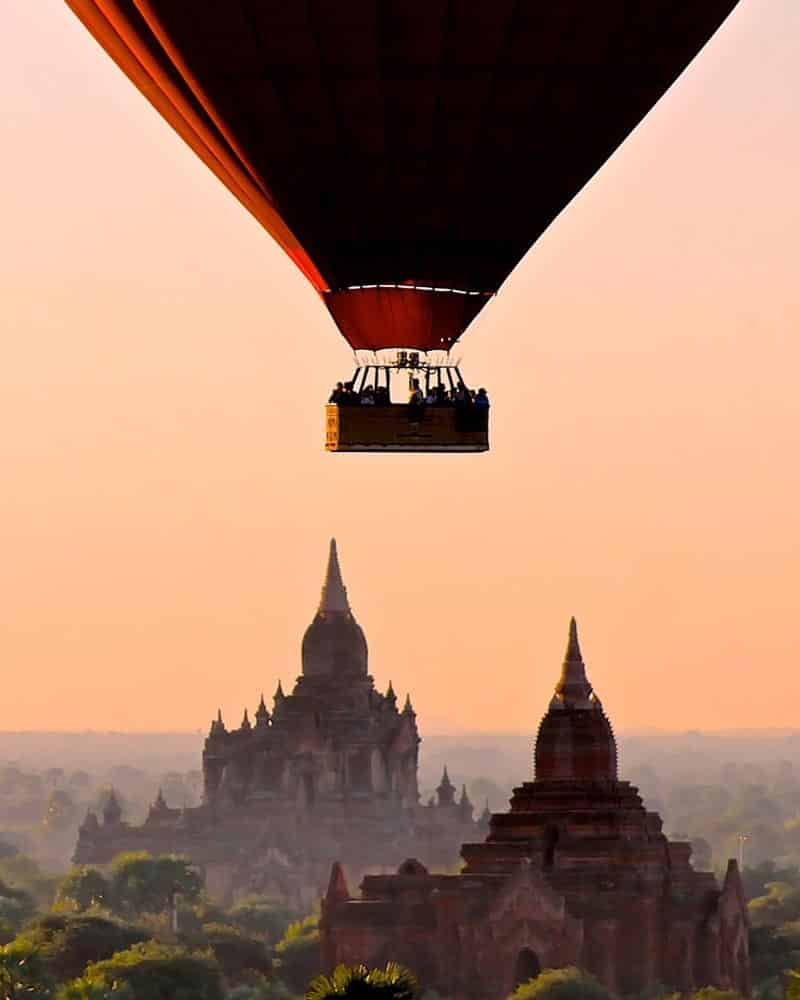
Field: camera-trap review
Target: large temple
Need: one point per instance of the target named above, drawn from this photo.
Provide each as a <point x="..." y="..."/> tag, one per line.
<point x="330" y="772"/>
<point x="577" y="872"/>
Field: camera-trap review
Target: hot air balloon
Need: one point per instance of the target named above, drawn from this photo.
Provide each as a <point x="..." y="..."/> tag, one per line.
<point x="404" y="153"/>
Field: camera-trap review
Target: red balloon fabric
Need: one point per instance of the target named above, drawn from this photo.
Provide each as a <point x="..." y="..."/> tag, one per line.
<point x="426" y="319"/>
<point x="401" y="144"/>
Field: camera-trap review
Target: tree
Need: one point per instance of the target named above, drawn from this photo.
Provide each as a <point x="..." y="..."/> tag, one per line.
<point x="16" y="906"/>
<point x="357" y="982"/>
<point x="22" y="973"/>
<point x="143" y="884"/>
<point x="562" y="984"/>
<point x="298" y="952"/>
<point x="82" y="888"/>
<point x="22" y="873"/>
<point x="149" y="971"/>
<point x="236" y="953"/>
<point x="714" y="993"/>
<point x="266" y="989"/>
<point x="261" y="916"/>
<point x="780" y="905"/>
<point x="66" y="944"/>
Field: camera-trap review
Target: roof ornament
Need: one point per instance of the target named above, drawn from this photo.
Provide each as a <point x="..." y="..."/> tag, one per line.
<point x="573" y="689"/>
<point x="262" y="713"/>
<point x="334" y="593"/>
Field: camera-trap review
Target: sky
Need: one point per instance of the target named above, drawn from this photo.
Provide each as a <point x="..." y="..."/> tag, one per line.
<point x="166" y="502"/>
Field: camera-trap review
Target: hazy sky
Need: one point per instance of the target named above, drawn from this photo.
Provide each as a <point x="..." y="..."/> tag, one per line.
<point x="166" y="502"/>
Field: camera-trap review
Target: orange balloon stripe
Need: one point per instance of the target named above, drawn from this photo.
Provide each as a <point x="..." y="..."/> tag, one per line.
<point x="112" y="29"/>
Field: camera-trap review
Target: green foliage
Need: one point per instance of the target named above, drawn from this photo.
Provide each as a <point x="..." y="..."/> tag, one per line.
<point x="67" y="943"/>
<point x="142" y="884"/>
<point x="773" y="951"/>
<point x="298" y="952"/>
<point x="357" y="982"/>
<point x="658" y="991"/>
<point x="793" y="986"/>
<point x="16" y="907"/>
<point x="23" y="873"/>
<point x="236" y="953"/>
<point x="261" y="917"/>
<point x="714" y="993"/>
<point x="264" y="989"/>
<point x="149" y="971"/>
<point x="780" y="905"/>
<point x="756" y="879"/>
<point x="22" y="973"/>
<point x="83" y="888"/>
<point x="562" y="984"/>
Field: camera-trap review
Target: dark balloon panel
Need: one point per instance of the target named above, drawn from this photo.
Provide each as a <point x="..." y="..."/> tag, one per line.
<point x="403" y="142"/>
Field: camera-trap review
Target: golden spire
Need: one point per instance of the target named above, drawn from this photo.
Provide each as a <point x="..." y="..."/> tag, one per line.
<point x="573" y="689"/>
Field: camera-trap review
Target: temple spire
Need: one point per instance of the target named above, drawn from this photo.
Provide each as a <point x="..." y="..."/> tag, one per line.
<point x="446" y="790"/>
<point x="573" y="654"/>
<point x="334" y="594"/>
<point x="573" y="689"/>
<point x="262" y="714"/>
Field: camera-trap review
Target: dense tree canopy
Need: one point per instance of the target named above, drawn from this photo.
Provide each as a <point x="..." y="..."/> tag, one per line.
<point x="149" y="971"/>
<point x="298" y="953"/>
<point x="67" y="943"/>
<point x="140" y="883"/>
<point x="83" y="888"/>
<point x="261" y="917"/>
<point x="562" y="984"/>
<point x="23" y="975"/>
<point x="237" y="954"/>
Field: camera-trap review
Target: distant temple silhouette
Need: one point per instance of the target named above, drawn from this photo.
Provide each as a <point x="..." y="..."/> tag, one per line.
<point x="577" y="872"/>
<point x="331" y="772"/>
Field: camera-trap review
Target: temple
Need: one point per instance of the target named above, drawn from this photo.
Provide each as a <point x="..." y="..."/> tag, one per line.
<point x="330" y="772"/>
<point x="577" y="872"/>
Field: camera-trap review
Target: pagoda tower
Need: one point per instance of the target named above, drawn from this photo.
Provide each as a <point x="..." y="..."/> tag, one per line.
<point x="334" y="644"/>
<point x="577" y="872"/>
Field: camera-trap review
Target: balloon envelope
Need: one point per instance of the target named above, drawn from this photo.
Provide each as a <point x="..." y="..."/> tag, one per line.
<point x="415" y="147"/>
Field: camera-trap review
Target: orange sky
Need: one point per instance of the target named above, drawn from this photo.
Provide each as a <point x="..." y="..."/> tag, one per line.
<point x="166" y="501"/>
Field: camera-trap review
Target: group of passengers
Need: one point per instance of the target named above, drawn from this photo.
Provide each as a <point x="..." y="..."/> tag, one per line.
<point x="344" y="394"/>
<point x="438" y="395"/>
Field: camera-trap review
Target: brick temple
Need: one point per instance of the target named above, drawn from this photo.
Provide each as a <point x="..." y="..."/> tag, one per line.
<point x="330" y="772"/>
<point x="577" y="872"/>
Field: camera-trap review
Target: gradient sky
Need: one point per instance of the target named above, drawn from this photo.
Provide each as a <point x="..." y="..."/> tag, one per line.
<point x="166" y="502"/>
